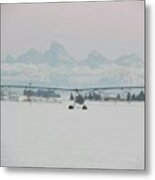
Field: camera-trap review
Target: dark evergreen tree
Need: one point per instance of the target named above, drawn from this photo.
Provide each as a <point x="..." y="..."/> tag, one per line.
<point x="118" y="97"/>
<point x="128" y="98"/>
<point x="133" y="98"/>
<point x="141" y="96"/>
<point x="71" y="97"/>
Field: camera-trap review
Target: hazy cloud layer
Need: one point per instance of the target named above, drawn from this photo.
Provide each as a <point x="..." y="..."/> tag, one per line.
<point x="114" y="28"/>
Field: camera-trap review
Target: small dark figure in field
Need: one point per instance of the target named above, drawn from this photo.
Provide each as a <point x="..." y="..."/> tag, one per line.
<point x="79" y="99"/>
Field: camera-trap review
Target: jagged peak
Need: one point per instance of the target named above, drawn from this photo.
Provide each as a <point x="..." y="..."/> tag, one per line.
<point x="129" y="57"/>
<point x="97" y="54"/>
<point x="56" y="45"/>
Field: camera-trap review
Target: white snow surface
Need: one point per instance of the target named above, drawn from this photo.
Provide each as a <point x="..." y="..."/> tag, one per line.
<point x="108" y="135"/>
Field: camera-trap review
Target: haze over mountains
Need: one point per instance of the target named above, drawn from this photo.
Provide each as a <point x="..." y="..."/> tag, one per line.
<point x="57" y="67"/>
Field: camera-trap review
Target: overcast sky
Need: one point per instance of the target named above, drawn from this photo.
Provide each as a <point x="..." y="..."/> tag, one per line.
<point x="113" y="28"/>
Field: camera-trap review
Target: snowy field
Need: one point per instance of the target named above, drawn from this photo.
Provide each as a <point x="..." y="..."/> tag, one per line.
<point x="107" y="135"/>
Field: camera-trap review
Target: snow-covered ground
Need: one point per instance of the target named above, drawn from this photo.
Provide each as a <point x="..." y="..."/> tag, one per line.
<point x="107" y="135"/>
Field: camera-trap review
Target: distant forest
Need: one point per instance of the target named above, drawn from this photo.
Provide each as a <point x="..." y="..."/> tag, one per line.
<point x="97" y="97"/>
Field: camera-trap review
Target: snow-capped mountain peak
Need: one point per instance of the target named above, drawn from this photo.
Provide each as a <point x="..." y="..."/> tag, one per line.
<point x="58" y="68"/>
<point x="95" y="58"/>
<point x="55" y="45"/>
<point x="129" y="60"/>
<point x="57" y="54"/>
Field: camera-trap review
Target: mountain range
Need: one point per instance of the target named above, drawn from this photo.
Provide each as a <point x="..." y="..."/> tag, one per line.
<point x="56" y="67"/>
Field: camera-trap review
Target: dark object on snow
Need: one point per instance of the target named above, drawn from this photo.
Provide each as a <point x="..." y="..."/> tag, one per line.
<point x="70" y="107"/>
<point x="84" y="107"/>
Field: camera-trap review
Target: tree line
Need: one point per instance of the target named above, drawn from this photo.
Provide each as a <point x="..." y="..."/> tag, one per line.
<point x="97" y="97"/>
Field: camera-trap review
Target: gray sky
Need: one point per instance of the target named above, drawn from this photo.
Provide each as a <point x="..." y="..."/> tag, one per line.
<point x="113" y="28"/>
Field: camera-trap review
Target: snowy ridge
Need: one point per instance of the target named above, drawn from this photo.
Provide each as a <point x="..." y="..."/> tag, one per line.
<point x="56" y="67"/>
